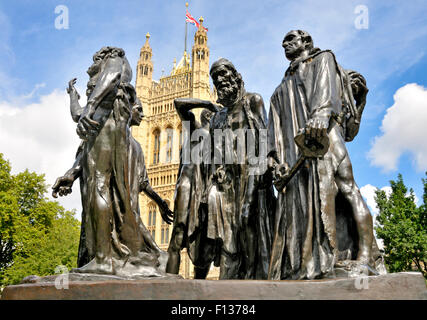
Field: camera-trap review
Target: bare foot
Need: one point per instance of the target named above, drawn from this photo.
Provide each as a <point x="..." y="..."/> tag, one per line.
<point x="365" y="258"/>
<point x="356" y="267"/>
<point x="104" y="267"/>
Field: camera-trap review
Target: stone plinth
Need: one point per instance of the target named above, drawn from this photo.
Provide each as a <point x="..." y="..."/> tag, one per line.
<point x="407" y="285"/>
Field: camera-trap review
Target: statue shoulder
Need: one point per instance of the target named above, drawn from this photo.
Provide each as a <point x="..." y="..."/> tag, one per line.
<point x="254" y="98"/>
<point x="135" y="144"/>
<point x="324" y="56"/>
<point x="126" y="70"/>
<point x="256" y="104"/>
<point x="278" y="92"/>
<point x="255" y="101"/>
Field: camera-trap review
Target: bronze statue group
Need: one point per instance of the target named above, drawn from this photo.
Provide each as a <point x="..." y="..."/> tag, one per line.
<point x="262" y="198"/>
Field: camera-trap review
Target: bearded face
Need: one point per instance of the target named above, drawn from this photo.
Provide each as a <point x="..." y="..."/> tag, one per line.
<point x="226" y="84"/>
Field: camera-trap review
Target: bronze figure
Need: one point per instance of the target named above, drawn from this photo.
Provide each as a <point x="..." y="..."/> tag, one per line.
<point x="112" y="172"/>
<point x="237" y="199"/>
<point x="190" y="204"/>
<point x="225" y="209"/>
<point x="322" y="220"/>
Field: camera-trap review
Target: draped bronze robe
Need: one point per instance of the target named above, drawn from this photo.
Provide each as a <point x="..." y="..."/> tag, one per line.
<point x="305" y="236"/>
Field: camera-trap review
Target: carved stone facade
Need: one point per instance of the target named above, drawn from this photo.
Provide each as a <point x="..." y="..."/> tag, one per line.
<point x="160" y="131"/>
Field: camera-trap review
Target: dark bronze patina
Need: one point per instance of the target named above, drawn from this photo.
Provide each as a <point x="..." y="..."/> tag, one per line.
<point x="322" y="221"/>
<point x="239" y="198"/>
<point x="112" y="173"/>
<point x="225" y="209"/>
<point x="190" y="205"/>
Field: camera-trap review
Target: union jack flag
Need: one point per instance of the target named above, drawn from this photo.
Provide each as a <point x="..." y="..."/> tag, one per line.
<point x="189" y="18"/>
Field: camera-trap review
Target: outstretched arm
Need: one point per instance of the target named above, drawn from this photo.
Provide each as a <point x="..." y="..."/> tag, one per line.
<point x="276" y="160"/>
<point x="165" y="212"/>
<point x="184" y="105"/>
<point x="63" y="185"/>
<point x="359" y="90"/>
<point x="75" y="108"/>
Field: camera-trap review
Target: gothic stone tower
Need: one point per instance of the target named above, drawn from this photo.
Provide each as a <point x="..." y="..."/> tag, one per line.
<point x="144" y="72"/>
<point x="200" y="64"/>
<point x="160" y="132"/>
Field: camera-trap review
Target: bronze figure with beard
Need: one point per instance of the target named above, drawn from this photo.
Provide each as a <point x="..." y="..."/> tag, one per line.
<point x="239" y="198"/>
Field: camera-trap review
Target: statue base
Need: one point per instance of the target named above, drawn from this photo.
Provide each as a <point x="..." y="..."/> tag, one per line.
<point x="402" y="286"/>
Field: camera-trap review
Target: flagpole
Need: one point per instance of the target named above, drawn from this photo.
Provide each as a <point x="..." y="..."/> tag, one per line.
<point x="185" y="45"/>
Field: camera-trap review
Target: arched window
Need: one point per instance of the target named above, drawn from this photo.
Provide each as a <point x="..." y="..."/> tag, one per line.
<point x="152" y="217"/>
<point x="201" y="54"/>
<point x="169" y="143"/>
<point x="152" y="220"/>
<point x="165" y="235"/>
<point x="156" y="150"/>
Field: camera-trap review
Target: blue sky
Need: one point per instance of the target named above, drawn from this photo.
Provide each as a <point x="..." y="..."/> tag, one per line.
<point x="37" y="60"/>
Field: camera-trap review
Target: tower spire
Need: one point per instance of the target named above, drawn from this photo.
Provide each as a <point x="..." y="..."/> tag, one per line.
<point x="144" y="71"/>
<point x="200" y="63"/>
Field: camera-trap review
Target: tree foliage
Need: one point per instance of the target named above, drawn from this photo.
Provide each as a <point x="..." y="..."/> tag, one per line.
<point x="36" y="235"/>
<point x="403" y="227"/>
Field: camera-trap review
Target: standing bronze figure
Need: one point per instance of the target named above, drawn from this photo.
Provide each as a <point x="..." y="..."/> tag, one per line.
<point x="322" y="220"/>
<point x="112" y="171"/>
<point x="190" y="203"/>
<point x="238" y="208"/>
<point x="139" y="182"/>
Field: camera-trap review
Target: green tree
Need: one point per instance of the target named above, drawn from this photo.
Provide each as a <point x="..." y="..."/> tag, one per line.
<point x="403" y="228"/>
<point x="36" y="235"/>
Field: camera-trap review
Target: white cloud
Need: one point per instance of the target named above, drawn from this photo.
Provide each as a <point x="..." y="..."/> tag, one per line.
<point x="404" y="130"/>
<point x="368" y="192"/>
<point x="41" y="137"/>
